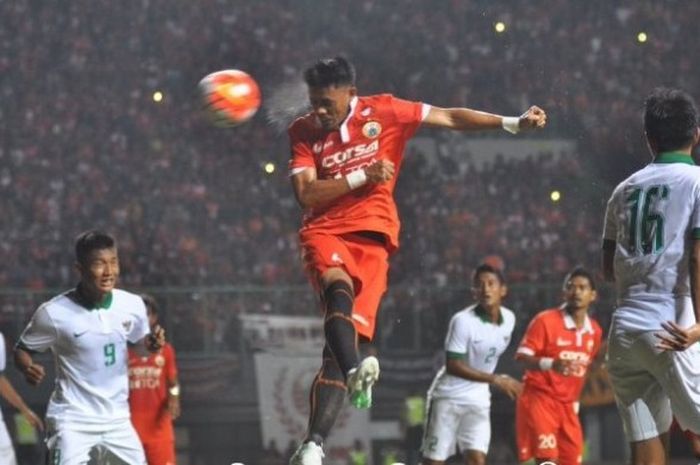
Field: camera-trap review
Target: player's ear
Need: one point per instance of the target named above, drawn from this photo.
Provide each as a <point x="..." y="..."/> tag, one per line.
<point x="504" y="290"/>
<point x="696" y="139"/>
<point x="353" y="91"/>
<point x="594" y="295"/>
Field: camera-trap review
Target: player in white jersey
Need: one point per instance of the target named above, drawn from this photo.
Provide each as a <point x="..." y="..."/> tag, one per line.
<point x="7" y="392"/>
<point x="651" y="249"/>
<point x="459" y="399"/>
<point x="88" y="329"/>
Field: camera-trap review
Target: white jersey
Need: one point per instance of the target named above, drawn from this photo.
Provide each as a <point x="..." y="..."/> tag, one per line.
<point x="90" y="352"/>
<point x="652" y="216"/>
<point x="480" y="343"/>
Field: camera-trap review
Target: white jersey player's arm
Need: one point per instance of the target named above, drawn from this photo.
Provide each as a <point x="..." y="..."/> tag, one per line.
<point x="466" y="119"/>
<point x="695" y="277"/>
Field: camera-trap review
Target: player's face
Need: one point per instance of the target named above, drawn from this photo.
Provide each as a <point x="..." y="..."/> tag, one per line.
<point x="578" y="293"/>
<point x="101" y="270"/>
<point x="331" y="104"/>
<point x="488" y="290"/>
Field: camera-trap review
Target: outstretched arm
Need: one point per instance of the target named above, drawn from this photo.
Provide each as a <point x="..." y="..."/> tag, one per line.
<point x="465" y="119"/>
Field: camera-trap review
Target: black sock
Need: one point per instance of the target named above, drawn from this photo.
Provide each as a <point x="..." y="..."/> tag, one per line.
<point x="326" y="398"/>
<point x="341" y="335"/>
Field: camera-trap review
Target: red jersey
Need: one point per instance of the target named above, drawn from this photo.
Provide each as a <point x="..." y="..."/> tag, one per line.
<point x="148" y="393"/>
<point x="553" y="333"/>
<point x="376" y="128"/>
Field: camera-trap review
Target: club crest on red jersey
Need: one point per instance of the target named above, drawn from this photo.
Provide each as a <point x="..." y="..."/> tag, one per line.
<point x="372" y="129"/>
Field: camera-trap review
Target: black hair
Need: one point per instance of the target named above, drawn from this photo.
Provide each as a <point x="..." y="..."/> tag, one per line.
<point x="151" y="303"/>
<point x="580" y="272"/>
<point x="89" y="241"/>
<point x="670" y="119"/>
<point x="328" y="72"/>
<point x="486" y="268"/>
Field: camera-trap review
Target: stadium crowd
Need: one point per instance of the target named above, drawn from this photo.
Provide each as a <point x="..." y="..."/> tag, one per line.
<point x="83" y="144"/>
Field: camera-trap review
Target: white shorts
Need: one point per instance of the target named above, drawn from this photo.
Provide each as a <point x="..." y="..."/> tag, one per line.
<point x="117" y="445"/>
<point x="7" y="453"/>
<point x="651" y="385"/>
<point x="450" y="425"/>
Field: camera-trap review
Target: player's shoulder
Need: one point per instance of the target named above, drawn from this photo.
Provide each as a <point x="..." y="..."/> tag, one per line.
<point x="304" y="125"/>
<point x="508" y="315"/>
<point x="128" y="301"/>
<point x="58" y="303"/>
<point x="595" y="325"/>
<point x="549" y="316"/>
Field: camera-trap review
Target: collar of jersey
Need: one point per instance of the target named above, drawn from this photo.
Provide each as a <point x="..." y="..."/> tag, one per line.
<point x="344" y="132"/>
<point x="569" y="322"/>
<point x="674" y="157"/>
<point x="106" y="301"/>
<point x="483" y="316"/>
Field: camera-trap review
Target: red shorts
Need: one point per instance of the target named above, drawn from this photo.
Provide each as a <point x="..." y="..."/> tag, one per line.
<point x="365" y="260"/>
<point x="547" y="428"/>
<point x="160" y="452"/>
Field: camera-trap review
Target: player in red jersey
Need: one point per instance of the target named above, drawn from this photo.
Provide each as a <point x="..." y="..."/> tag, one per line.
<point x="557" y="349"/>
<point x="345" y="156"/>
<point x="154" y="397"/>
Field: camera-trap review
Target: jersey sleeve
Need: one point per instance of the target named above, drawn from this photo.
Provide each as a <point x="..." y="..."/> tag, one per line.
<point x="302" y="156"/>
<point x="3" y="354"/>
<point x="410" y="114"/>
<point x="170" y="365"/>
<point x="140" y="327"/>
<point x="457" y="339"/>
<point x="41" y="333"/>
<point x="610" y="226"/>
<point x="534" y="339"/>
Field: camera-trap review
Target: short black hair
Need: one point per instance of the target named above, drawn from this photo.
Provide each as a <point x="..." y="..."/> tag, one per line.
<point x="486" y="268"/>
<point x="92" y="240"/>
<point x="580" y="271"/>
<point x="150" y="303"/>
<point x="670" y="119"/>
<point x="328" y="72"/>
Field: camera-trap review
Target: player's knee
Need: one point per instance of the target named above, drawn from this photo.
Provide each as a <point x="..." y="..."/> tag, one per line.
<point x="338" y="297"/>
<point x="473" y="457"/>
<point x="333" y="275"/>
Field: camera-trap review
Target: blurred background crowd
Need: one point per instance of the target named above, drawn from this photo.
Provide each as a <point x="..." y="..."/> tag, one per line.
<point x="84" y="145"/>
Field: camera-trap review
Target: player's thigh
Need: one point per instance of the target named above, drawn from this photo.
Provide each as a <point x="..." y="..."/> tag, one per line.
<point x="68" y="447"/>
<point x="633" y="365"/>
<point x="681" y="385"/>
<point x="440" y="430"/>
<point x="372" y="267"/>
<point x="123" y="442"/>
<point x="537" y="426"/>
<point x="474" y="430"/>
<point x="160" y="452"/>
<point x="323" y="252"/>
<point x="570" y="437"/>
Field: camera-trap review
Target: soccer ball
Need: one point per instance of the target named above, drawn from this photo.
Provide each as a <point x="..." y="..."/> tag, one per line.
<point x="230" y="97"/>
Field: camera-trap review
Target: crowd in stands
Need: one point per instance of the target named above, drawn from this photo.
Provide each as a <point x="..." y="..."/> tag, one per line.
<point x="83" y="145"/>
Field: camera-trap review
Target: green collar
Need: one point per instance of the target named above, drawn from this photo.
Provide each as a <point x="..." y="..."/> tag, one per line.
<point x="674" y="157"/>
<point x="106" y="301"/>
<point x="485" y="317"/>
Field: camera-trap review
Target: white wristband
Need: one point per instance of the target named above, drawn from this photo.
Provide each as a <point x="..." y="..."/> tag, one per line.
<point x="511" y="124"/>
<point x="546" y="363"/>
<point x="356" y="179"/>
